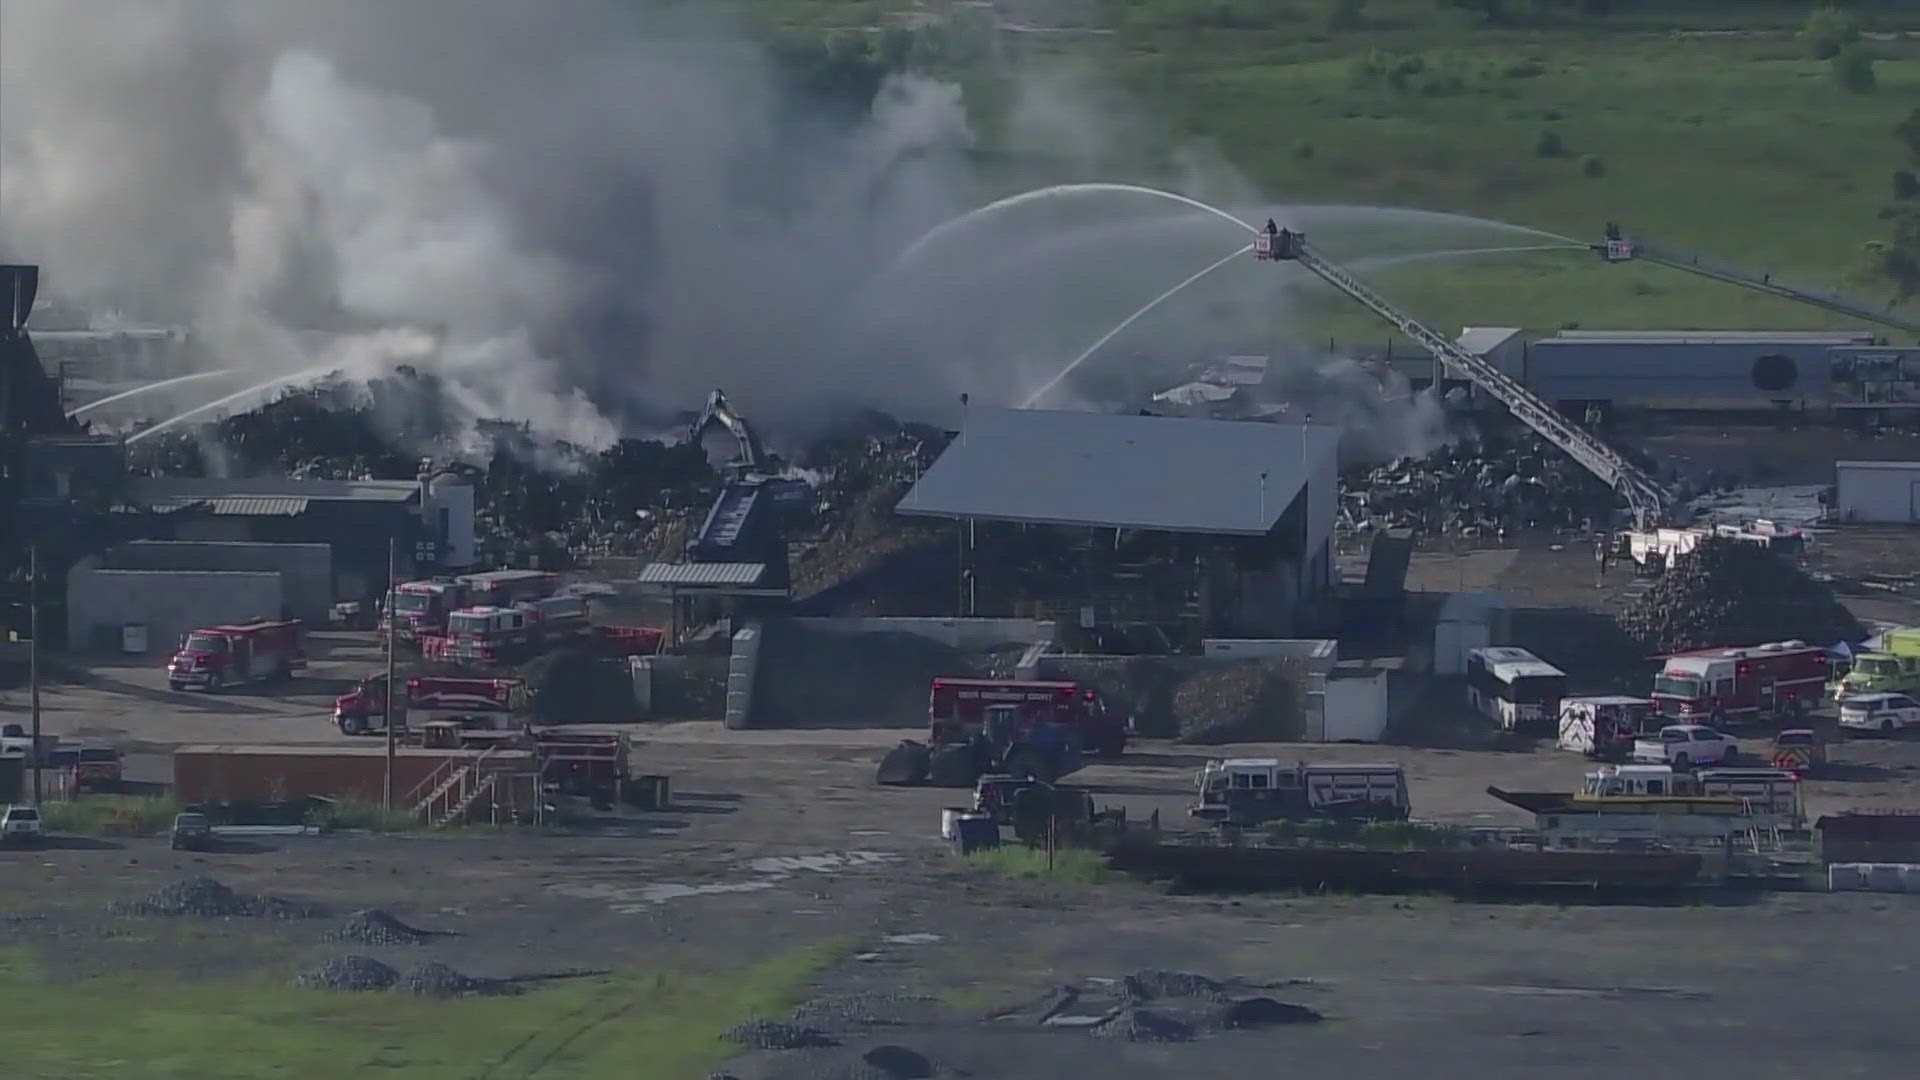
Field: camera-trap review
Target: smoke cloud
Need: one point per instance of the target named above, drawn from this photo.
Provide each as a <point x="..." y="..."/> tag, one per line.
<point x="578" y="213"/>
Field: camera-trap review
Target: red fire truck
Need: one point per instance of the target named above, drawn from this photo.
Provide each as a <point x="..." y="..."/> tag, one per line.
<point x="487" y="635"/>
<point x="217" y="657"/>
<point x="957" y="708"/>
<point x="363" y="711"/>
<point x="419" y="609"/>
<point x="1782" y="679"/>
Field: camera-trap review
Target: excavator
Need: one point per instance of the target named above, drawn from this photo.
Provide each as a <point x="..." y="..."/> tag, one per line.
<point x="743" y="524"/>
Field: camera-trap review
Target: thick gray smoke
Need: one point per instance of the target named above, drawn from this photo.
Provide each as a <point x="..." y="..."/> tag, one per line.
<point x="579" y="212"/>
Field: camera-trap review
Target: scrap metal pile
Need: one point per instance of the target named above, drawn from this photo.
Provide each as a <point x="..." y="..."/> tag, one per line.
<point x="1498" y="483"/>
<point x="1731" y="593"/>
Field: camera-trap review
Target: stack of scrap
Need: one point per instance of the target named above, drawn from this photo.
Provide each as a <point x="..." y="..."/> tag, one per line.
<point x="1732" y="593"/>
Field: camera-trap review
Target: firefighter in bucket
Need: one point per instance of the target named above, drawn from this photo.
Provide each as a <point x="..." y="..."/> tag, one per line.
<point x="1273" y="243"/>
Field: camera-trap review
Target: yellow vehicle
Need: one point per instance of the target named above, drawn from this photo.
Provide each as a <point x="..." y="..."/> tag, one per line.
<point x="1894" y="668"/>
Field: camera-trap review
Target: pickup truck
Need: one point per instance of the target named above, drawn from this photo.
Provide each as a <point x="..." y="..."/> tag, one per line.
<point x="1686" y="745"/>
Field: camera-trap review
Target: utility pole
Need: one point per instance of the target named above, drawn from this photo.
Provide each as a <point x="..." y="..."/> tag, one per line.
<point x="393" y="572"/>
<point x="33" y="660"/>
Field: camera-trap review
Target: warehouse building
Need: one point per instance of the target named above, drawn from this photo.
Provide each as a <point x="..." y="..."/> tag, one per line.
<point x="431" y="518"/>
<point x="167" y="587"/>
<point x="1254" y="502"/>
<point x="1877" y="491"/>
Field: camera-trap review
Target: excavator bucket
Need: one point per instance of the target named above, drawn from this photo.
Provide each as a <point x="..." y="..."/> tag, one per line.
<point x="904" y="764"/>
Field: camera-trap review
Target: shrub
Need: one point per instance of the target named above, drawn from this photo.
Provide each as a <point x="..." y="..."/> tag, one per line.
<point x="1853" y="70"/>
<point x="1828" y="32"/>
<point x="1525" y="69"/>
<point x="1905" y="184"/>
<point x="1549" y="144"/>
<point x="1591" y="165"/>
<point x="1304" y="151"/>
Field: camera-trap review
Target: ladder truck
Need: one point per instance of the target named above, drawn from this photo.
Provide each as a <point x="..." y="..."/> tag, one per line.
<point x="1619" y="247"/>
<point x="1645" y="499"/>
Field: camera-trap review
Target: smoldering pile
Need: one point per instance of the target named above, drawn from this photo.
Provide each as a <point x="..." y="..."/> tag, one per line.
<point x="1730" y="593"/>
<point x="1498" y="483"/>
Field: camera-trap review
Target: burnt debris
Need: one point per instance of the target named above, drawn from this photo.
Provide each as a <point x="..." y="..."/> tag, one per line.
<point x="1730" y="593"/>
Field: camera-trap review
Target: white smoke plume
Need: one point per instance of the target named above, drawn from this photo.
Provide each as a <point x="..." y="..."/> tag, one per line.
<point x="579" y="213"/>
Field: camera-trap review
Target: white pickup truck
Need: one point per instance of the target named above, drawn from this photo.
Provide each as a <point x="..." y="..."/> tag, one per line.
<point x="1686" y="745"/>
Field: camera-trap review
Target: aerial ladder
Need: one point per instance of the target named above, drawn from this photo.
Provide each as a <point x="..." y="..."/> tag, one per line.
<point x="1619" y="247"/>
<point x="1645" y="498"/>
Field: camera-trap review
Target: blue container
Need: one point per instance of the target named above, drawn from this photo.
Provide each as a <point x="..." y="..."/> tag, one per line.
<point x="975" y="833"/>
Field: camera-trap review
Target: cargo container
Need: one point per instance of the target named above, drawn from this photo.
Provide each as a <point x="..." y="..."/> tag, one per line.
<point x="279" y="773"/>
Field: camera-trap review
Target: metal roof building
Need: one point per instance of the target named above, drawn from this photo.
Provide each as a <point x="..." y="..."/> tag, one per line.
<point x="1171" y="474"/>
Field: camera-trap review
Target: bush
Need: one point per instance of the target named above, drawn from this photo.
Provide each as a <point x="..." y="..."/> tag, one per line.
<point x="1525" y="69"/>
<point x="1828" y="32"/>
<point x="1304" y="151"/>
<point x="1853" y="70"/>
<point x="110" y="815"/>
<point x="1347" y="15"/>
<point x="1905" y="184"/>
<point x="1591" y="165"/>
<point x="1549" y="144"/>
<point x="1076" y="865"/>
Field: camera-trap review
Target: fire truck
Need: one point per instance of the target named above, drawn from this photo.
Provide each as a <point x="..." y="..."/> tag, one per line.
<point x="1717" y="687"/>
<point x="363" y="710"/>
<point x="1026" y="730"/>
<point x="419" y="609"/>
<point x="957" y="710"/>
<point x="216" y="657"/>
<point x="489" y="635"/>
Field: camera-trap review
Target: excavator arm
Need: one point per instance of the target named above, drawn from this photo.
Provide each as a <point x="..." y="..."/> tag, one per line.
<point x="1648" y="501"/>
<point x="1619" y="247"/>
<point x="719" y="412"/>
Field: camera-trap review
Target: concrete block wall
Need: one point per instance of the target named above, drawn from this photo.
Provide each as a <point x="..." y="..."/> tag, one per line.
<point x="168" y="603"/>
<point x="956" y="633"/>
<point x="306" y="570"/>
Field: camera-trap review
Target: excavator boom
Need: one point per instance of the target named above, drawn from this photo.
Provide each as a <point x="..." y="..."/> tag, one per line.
<point x="1645" y="498"/>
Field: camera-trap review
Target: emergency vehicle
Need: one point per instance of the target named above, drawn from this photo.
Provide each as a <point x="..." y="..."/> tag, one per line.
<point x="363" y="710"/>
<point x="957" y="710"/>
<point x="1250" y="791"/>
<point x="1604" y="728"/>
<point x="217" y="657"/>
<point x="418" y="609"/>
<point x="487" y="635"/>
<point x="1742" y="685"/>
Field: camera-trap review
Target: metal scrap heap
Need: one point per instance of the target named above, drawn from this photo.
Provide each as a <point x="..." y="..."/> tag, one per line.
<point x="1497" y="484"/>
<point x="1731" y="593"/>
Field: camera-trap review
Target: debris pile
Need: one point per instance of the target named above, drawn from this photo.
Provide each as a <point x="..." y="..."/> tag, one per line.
<point x="898" y="1062"/>
<point x="356" y="973"/>
<point x="1502" y="483"/>
<point x="205" y="897"/>
<point x="871" y="1009"/>
<point x="773" y="1035"/>
<point x="1145" y="1025"/>
<point x="439" y="980"/>
<point x="375" y="927"/>
<point x="1259" y="1012"/>
<point x="1150" y="984"/>
<point x="1731" y="593"/>
<point x="810" y="676"/>
<point x="1244" y="701"/>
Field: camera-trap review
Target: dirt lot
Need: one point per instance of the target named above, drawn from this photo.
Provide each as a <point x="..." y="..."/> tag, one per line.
<point x="778" y="840"/>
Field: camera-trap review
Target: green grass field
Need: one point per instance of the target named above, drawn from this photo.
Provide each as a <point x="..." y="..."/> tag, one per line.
<point x="638" y="1027"/>
<point x="1703" y="125"/>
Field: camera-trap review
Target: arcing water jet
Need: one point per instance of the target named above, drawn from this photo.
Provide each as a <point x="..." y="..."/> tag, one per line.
<point x="161" y="385"/>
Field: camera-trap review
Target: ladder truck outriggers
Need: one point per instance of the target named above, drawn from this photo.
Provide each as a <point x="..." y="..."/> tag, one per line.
<point x="1645" y="499"/>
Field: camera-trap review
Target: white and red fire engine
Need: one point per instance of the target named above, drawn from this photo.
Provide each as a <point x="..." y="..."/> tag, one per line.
<point x="488" y="635"/>
<point x="1742" y="685"/>
<point x="363" y="710"/>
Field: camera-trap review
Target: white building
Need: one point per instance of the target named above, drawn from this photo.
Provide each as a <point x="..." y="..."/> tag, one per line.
<point x="1878" y="491"/>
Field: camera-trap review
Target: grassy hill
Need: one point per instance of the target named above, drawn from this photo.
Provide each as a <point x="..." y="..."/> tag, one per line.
<point x="1704" y="125"/>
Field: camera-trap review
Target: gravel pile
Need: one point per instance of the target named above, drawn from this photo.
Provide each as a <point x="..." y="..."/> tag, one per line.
<point x="1149" y="984"/>
<point x="816" y="677"/>
<point x="871" y="1009"/>
<point x="898" y="1063"/>
<point x="773" y="1035"/>
<point x="1147" y="1026"/>
<point x="1730" y="593"/>
<point x="1246" y="701"/>
<point x="1259" y="1012"/>
<point x="205" y="897"/>
<point x="375" y="927"/>
<point x="348" y="973"/>
<point x="439" y="980"/>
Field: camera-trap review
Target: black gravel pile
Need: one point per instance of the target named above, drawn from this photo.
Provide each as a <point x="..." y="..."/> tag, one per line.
<point x="867" y="1009"/>
<point x="207" y="898"/>
<point x="898" y="1063"/>
<point x="817" y="677"/>
<point x="1150" y="984"/>
<point x="1146" y="1026"/>
<point x="375" y="927"/>
<point x="439" y="980"/>
<point x="356" y="973"/>
<point x="1260" y="1012"/>
<point x="1731" y="593"/>
<point x="773" y="1035"/>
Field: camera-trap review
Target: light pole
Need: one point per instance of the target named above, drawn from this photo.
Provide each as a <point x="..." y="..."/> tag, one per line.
<point x="33" y="661"/>
<point x="393" y="572"/>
